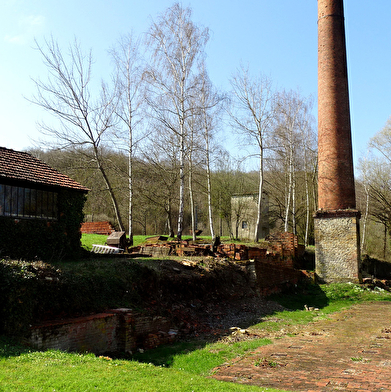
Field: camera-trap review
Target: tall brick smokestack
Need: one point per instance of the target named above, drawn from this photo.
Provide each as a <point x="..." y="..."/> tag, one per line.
<point x="336" y="178"/>
<point x="337" y="222"/>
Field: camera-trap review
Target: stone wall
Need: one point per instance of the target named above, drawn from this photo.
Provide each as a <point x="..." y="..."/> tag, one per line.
<point x="337" y="246"/>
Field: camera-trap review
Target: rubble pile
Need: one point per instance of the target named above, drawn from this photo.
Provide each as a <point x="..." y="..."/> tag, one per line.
<point x="280" y="246"/>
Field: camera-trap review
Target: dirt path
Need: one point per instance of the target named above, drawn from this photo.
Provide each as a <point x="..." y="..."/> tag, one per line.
<point x="351" y="351"/>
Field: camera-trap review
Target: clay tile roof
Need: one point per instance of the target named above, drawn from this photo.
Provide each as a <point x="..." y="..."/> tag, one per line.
<point x="22" y="166"/>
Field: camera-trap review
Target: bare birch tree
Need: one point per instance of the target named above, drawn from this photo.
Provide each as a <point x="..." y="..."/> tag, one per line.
<point x="381" y="142"/>
<point x="129" y="78"/>
<point x="295" y="146"/>
<point x="379" y="175"/>
<point x="252" y="116"/>
<point x="177" y="44"/>
<point x="363" y="167"/>
<point x="288" y="108"/>
<point x="161" y="158"/>
<point x="192" y="148"/>
<point x="85" y="122"/>
<point x="309" y="155"/>
<point x="209" y="106"/>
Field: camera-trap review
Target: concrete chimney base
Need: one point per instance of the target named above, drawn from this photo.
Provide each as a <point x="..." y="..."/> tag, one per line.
<point x="337" y="246"/>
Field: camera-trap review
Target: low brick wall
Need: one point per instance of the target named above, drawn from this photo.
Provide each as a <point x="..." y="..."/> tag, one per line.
<point x="118" y="330"/>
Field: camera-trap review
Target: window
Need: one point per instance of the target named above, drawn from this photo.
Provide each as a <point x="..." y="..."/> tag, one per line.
<point x="23" y="202"/>
<point x="244" y="225"/>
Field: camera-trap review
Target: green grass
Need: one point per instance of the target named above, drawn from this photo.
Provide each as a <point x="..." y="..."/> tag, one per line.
<point x="327" y="299"/>
<point x="198" y="357"/>
<point x="88" y="240"/>
<point x="59" y="371"/>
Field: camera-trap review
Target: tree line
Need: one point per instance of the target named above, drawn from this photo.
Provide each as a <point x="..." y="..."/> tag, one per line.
<point x="150" y="141"/>
<point x="374" y="195"/>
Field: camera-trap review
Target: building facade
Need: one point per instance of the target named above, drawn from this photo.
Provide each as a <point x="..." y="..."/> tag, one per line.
<point x="41" y="209"/>
<point x="244" y="212"/>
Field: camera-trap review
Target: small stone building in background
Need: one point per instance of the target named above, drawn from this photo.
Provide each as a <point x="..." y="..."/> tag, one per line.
<point x="244" y="210"/>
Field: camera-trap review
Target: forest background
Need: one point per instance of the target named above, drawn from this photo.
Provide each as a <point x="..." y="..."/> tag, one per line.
<point x="147" y="141"/>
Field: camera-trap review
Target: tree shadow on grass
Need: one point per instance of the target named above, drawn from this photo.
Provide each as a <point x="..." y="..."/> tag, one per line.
<point x="310" y="295"/>
<point x="165" y="355"/>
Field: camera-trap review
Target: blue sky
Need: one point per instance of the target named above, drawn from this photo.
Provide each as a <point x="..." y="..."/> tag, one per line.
<point x="277" y="38"/>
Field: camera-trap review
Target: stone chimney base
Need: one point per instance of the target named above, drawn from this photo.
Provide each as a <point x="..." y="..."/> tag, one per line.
<point x="337" y="246"/>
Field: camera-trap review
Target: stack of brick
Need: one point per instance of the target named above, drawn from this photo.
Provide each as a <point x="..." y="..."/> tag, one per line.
<point x="104" y="228"/>
<point x="287" y="245"/>
<point x="233" y="251"/>
<point x="186" y="249"/>
<point x="156" y="250"/>
<point x="275" y="274"/>
<point x="154" y="340"/>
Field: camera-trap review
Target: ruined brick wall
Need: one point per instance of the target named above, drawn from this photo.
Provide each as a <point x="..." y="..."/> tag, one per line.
<point x="119" y="330"/>
<point x="274" y="276"/>
<point x="97" y="333"/>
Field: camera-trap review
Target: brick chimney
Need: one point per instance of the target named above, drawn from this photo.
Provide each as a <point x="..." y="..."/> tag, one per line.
<point x="337" y="220"/>
<point x="336" y="178"/>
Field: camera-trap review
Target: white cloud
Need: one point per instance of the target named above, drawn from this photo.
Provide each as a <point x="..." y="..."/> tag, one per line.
<point x="32" y="21"/>
<point x="30" y="26"/>
<point x="15" y="39"/>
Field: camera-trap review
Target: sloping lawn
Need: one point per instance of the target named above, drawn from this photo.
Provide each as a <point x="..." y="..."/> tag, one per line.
<point x="59" y="371"/>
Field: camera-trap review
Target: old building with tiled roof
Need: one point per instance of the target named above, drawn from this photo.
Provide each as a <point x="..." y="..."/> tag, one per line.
<point x="40" y="208"/>
<point x="21" y="166"/>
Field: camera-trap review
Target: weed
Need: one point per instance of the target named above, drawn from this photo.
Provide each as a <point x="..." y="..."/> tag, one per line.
<point x="263" y="362"/>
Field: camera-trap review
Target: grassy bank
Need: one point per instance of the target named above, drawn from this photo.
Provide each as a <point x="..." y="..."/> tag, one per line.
<point x="183" y="366"/>
<point x="58" y="371"/>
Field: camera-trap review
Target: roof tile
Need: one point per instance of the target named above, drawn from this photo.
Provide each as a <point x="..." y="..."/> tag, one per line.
<point x="22" y="166"/>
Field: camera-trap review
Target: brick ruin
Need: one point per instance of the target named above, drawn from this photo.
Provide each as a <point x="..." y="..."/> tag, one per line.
<point x="269" y="269"/>
<point x="278" y="263"/>
<point x="116" y="330"/>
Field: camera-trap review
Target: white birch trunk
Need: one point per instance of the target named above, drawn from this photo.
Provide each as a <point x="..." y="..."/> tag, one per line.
<point x="208" y="179"/>
<point x="260" y="190"/>
<point x="365" y="220"/>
